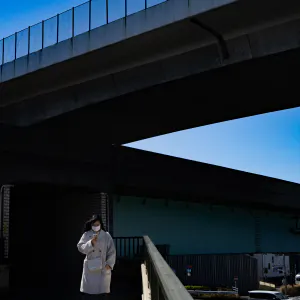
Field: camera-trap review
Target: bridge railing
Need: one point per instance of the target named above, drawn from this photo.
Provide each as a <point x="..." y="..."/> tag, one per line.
<point x="66" y="25"/>
<point x="129" y="247"/>
<point x="162" y="281"/>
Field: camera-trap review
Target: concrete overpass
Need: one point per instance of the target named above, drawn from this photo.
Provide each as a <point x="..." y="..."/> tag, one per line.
<point x="52" y="133"/>
<point x="223" y="44"/>
<point x="130" y="172"/>
<point x="187" y="65"/>
<point x="47" y="139"/>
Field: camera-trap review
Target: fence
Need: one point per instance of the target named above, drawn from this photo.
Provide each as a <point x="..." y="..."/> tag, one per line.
<point x="73" y="22"/>
<point x="216" y="270"/>
<point x="129" y="247"/>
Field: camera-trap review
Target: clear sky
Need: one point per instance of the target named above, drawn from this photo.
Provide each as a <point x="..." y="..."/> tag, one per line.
<point x="266" y="144"/>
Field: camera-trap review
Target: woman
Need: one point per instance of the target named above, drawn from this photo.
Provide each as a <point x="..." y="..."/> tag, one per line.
<point x="98" y="246"/>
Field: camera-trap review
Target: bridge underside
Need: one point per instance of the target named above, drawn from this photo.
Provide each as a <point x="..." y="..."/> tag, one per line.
<point x="132" y="172"/>
<point x="245" y="89"/>
<point x="252" y="81"/>
<point x="235" y="91"/>
<point x="74" y="150"/>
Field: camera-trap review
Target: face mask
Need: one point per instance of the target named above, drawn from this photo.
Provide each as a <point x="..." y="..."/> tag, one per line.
<point x="96" y="228"/>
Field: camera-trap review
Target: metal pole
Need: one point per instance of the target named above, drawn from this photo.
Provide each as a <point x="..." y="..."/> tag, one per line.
<point x="146" y="4"/>
<point x="28" y="47"/>
<point x="106" y="11"/>
<point x="90" y="15"/>
<point x="284" y="274"/>
<point x="235" y="285"/>
<point x="28" y="40"/>
<point x="57" y="29"/>
<point x="125" y="8"/>
<point x="43" y="35"/>
<point x="2" y="52"/>
<point x="16" y="45"/>
<point x="262" y="267"/>
<point x="73" y="21"/>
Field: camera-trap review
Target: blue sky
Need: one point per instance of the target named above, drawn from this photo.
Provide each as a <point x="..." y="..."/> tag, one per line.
<point x="266" y="144"/>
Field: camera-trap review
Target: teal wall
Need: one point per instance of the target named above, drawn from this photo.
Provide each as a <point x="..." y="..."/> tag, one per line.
<point x="197" y="229"/>
<point x="275" y="233"/>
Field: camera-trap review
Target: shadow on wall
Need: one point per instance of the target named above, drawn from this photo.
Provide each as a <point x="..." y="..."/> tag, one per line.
<point x="46" y="224"/>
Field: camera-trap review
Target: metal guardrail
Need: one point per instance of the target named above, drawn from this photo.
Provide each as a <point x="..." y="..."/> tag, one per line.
<point x="66" y="25"/>
<point x="163" y="283"/>
<point x="129" y="247"/>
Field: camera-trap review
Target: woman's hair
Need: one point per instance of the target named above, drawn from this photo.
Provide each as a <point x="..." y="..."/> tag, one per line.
<point x="88" y="224"/>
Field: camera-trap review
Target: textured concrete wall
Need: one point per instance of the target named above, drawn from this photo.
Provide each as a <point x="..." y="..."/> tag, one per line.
<point x="196" y="228"/>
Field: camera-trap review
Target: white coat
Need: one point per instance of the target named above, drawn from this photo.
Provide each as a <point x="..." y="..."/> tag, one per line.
<point x="95" y="283"/>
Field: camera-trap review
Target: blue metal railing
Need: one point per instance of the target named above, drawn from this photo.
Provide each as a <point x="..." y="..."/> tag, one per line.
<point x="66" y="25"/>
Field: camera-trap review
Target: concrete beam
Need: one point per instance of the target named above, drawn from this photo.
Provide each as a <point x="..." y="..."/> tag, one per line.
<point x="161" y="176"/>
<point x="134" y="172"/>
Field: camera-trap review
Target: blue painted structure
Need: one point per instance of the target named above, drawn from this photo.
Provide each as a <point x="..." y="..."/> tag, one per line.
<point x="191" y="228"/>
